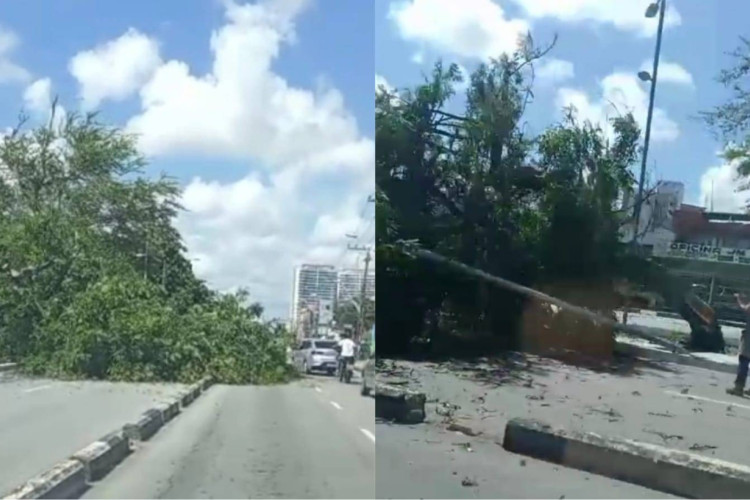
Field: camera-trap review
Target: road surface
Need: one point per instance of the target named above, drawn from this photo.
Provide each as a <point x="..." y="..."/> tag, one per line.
<point x="314" y="438"/>
<point x="671" y="405"/>
<point x="45" y="421"/>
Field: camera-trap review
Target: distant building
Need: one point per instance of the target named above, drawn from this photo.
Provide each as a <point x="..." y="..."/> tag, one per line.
<point x="657" y="211"/>
<point x="350" y="285"/>
<point x="313" y="298"/>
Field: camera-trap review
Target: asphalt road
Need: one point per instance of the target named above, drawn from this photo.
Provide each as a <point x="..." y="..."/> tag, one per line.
<point x="310" y="439"/>
<point x="45" y="421"/>
<point x="670" y="405"/>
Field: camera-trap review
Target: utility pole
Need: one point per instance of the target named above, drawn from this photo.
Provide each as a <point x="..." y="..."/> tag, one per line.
<point x="361" y="322"/>
<point x="657" y="7"/>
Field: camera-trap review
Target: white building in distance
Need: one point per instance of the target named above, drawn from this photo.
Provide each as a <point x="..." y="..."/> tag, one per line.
<point x="313" y="297"/>
<point x="350" y="285"/>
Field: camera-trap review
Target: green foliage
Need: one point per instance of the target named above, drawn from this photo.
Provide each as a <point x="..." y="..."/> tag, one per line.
<point x="93" y="278"/>
<point x="477" y="188"/>
<point x="731" y="120"/>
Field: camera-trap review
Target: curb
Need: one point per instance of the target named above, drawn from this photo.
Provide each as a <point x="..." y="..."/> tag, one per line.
<point x="401" y="405"/>
<point x="67" y="479"/>
<point x="71" y="477"/>
<point x="6" y="367"/>
<point x="102" y="456"/>
<point x="168" y="410"/>
<point x="671" y="471"/>
<point x="186" y="398"/>
<point x="146" y="426"/>
<point x="681" y="359"/>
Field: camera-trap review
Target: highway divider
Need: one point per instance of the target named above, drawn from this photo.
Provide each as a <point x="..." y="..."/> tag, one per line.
<point x="664" y="469"/>
<point x="399" y="404"/>
<point x="73" y="476"/>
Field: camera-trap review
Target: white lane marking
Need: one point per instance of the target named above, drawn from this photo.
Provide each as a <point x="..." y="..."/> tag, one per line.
<point x="368" y="434"/>
<point x="39" y="388"/>
<point x="693" y="396"/>
<point x="336" y="405"/>
<point x="318" y="389"/>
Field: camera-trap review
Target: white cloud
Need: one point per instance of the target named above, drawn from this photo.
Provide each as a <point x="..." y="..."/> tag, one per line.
<point x="619" y="93"/>
<point x="721" y="189"/>
<point x="10" y="71"/>
<point x="551" y="71"/>
<point x="252" y="233"/>
<point x="241" y="108"/>
<point x="418" y="58"/>
<point x="669" y="72"/>
<point x="37" y="98"/>
<point x="381" y="82"/>
<point x="314" y="169"/>
<point x="467" y="28"/>
<point x="38" y="95"/>
<point x="625" y="15"/>
<point x="116" y="69"/>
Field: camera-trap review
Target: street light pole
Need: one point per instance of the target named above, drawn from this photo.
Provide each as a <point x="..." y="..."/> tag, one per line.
<point x="644" y="75"/>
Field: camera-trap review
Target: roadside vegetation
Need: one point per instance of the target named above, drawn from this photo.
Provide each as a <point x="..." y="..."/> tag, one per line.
<point x="94" y="281"/>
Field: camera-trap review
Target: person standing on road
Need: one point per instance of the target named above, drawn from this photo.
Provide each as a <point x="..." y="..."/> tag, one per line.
<point x="744" y="358"/>
<point x="347" y="347"/>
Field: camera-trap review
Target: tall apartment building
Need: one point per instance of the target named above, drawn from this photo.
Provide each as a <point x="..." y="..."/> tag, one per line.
<point x="350" y="285"/>
<point x="313" y="297"/>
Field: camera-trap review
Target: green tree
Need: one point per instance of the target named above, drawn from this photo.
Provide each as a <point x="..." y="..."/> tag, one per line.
<point x="93" y="277"/>
<point x="476" y="187"/>
<point x="731" y="120"/>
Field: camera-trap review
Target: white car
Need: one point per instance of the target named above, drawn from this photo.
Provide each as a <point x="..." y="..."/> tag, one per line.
<point x="316" y="355"/>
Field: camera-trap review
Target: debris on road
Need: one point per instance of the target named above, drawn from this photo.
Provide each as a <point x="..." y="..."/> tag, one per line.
<point x="468" y="482"/>
<point x="702" y="447"/>
<point x="664" y="436"/>
<point x="463" y="429"/>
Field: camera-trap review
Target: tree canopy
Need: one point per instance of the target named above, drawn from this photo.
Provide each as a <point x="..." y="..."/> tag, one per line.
<point x="94" y="281"/>
<point x="477" y="187"/>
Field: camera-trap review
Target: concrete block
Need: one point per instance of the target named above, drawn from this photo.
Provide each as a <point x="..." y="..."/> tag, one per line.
<point x="206" y="382"/>
<point x="186" y="398"/>
<point x="7" y="367"/>
<point x="67" y="479"/>
<point x="652" y="466"/>
<point x="103" y="455"/>
<point x="169" y="410"/>
<point x="399" y="404"/>
<point x="146" y="426"/>
<point x="196" y="390"/>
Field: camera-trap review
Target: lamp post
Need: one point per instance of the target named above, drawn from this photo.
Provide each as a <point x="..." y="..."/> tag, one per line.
<point x="654" y="8"/>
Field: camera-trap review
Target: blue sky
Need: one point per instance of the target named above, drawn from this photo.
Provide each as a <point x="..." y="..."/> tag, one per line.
<point x="601" y="46"/>
<point x="263" y="111"/>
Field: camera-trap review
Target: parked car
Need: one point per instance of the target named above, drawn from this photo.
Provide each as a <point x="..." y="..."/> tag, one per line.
<point x="368" y="376"/>
<point x="316" y="355"/>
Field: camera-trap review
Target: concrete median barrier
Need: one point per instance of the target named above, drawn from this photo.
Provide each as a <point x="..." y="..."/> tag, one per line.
<point x="8" y="367"/>
<point x="186" y="398"/>
<point x="146" y="426"/>
<point x="399" y="404"/>
<point x="66" y="479"/>
<point x="205" y="383"/>
<point x="169" y="410"/>
<point x="103" y="455"/>
<point x="653" y="466"/>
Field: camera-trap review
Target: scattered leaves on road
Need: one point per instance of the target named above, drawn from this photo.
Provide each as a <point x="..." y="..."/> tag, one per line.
<point x="657" y="414"/>
<point x="468" y="482"/>
<point x="702" y="447"/>
<point x="463" y="429"/>
<point x="664" y="436"/>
